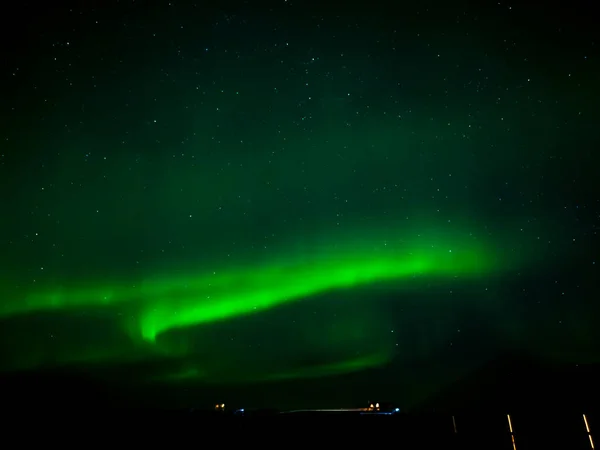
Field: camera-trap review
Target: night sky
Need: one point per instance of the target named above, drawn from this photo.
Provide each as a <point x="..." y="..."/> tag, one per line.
<point x="264" y="197"/>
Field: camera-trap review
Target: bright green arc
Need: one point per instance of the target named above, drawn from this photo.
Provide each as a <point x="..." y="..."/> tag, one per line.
<point x="167" y="301"/>
<point x="183" y="303"/>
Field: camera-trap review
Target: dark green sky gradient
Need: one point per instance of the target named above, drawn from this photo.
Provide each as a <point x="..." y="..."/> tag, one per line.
<point x="276" y="147"/>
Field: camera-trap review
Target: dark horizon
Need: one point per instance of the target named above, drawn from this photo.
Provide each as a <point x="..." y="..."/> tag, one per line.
<point x="510" y="384"/>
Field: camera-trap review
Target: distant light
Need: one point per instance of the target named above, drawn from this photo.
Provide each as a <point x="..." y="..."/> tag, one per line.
<point x="397" y="410"/>
<point x="376" y="405"/>
<point x="223" y="405"/>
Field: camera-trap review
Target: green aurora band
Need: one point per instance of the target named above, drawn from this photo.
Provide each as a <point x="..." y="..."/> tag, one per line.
<point x="164" y="304"/>
<point x="183" y="303"/>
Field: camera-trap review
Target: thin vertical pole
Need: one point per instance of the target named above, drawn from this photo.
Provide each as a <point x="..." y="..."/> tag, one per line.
<point x="512" y="435"/>
<point x="589" y="433"/>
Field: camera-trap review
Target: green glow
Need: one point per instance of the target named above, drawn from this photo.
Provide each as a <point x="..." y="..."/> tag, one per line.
<point x="233" y="209"/>
<point x="351" y="365"/>
<point x="151" y="309"/>
<point x="163" y="303"/>
<point x="369" y="361"/>
<point x="183" y="375"/>
<point x="184" y="303"/>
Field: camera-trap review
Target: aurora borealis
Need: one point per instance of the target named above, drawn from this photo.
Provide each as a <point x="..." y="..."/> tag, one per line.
<point x="192" y="300"/>
<point x="246" y="196"/>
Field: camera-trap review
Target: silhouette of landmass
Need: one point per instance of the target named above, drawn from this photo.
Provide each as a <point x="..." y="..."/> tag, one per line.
<point x="512" y="383"/>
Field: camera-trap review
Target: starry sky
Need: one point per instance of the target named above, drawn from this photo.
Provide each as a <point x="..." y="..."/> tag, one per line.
<point x="260" y="197"/>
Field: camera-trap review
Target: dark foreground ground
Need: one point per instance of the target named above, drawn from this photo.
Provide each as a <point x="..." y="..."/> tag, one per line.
<point x="546" y="406"/>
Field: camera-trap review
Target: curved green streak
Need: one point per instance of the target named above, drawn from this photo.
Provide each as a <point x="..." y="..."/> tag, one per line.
<point x="248" y="291"/>
<point x="166" y="301"/>
<point x="193" y="373"/>
<point x="337" y="368"/>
